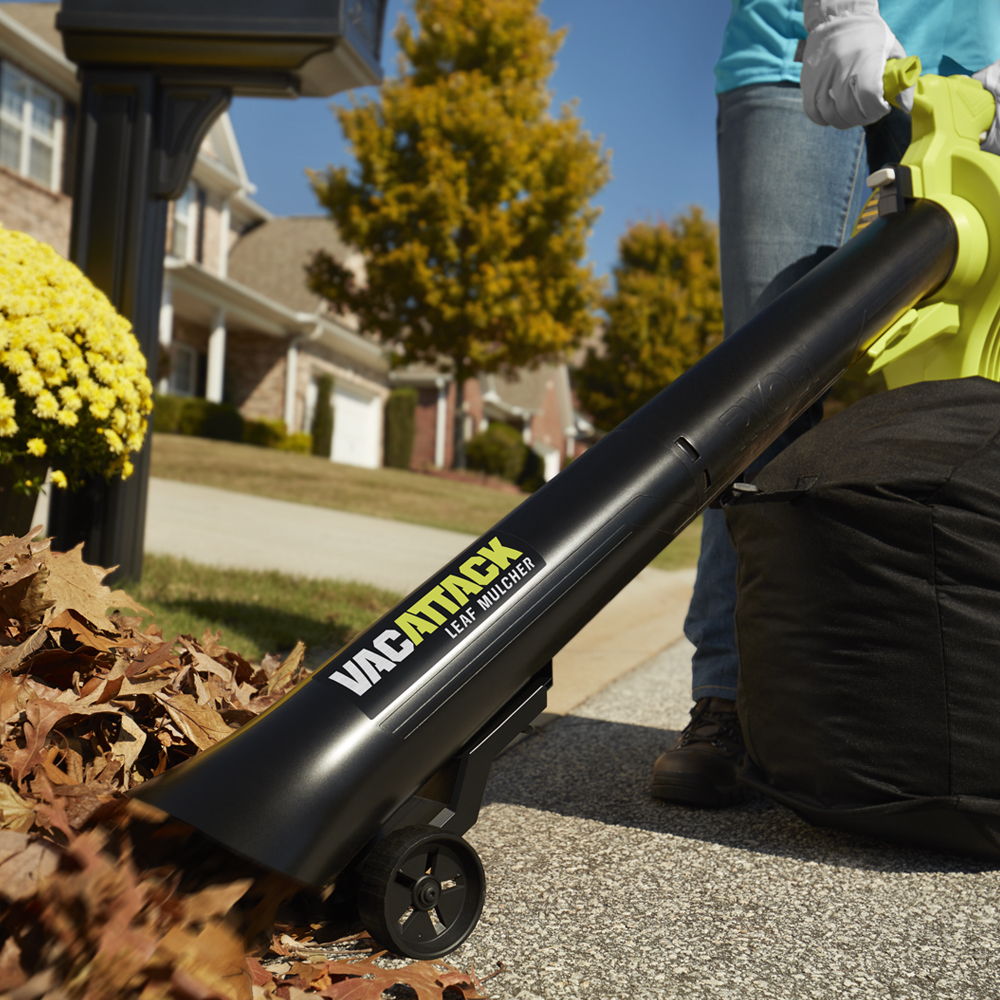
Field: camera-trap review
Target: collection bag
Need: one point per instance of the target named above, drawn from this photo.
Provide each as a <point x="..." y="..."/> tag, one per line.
<point x="868" y="619"/>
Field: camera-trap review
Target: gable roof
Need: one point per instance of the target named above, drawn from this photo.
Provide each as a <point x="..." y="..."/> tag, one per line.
<point x="39" y="18"/>
<point x="272" y="258"/>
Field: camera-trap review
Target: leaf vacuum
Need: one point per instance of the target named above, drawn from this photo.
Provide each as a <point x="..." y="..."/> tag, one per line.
<point x="376" y="765"/>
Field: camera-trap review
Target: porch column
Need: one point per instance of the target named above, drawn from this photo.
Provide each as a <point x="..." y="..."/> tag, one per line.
<point x="441" y="424"/>
<point x="166" y="329"/>
<point x="291" y="382"/>
<point x="225" y="220"/>
<point x="216" y="373"/>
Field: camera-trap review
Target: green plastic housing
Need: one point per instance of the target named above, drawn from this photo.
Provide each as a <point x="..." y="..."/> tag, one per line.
<point x="955" y="332"/>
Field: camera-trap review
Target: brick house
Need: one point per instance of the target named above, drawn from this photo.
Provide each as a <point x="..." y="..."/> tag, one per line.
<point x="538" y="403"/>
<point x="237" y="323"/>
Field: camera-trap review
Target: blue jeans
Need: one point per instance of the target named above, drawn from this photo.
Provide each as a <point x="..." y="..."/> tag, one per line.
<point x="789" y="192"/>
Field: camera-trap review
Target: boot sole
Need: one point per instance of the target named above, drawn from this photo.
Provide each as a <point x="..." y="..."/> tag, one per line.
<point x="695" y="790"/>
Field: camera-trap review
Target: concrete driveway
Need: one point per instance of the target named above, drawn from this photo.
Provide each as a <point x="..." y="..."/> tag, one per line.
<point x="596" y="891"/>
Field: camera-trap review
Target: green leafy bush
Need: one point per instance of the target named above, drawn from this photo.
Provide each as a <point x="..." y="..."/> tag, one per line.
<point x="167" y="414"/>
<point x="264" y="433"/>
<point x="197" y="418"/>
<point x="300" y="442"/>
<point x="400" y="427"/>
<point x="498" y="451"/>
<point x="222" y="422"/>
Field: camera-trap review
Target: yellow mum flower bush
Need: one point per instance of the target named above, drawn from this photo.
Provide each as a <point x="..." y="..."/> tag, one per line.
<point x="73" y="384"/>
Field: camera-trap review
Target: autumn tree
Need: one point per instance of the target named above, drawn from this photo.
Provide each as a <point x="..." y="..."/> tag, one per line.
<point x="664" y="315"/>
<point x="470" y="203"/>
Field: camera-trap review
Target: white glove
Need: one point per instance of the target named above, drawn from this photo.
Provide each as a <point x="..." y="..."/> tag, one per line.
<point x="843" y="63"/>
<point x="990" y="79"/>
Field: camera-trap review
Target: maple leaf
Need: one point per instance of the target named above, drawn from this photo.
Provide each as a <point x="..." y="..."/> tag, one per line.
<point x="41" y="716"/>
<point x="201" y="724"/>
<point x="76" y="585"/>
<point x="68" y="620"/>
<point x="23" y="575"/>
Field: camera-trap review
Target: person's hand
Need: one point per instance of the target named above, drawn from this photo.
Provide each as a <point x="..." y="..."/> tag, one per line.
<point x="990" y="79"/>
<point x="844" y="59"/>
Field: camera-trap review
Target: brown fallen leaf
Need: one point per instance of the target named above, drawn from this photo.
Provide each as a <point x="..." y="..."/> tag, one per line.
<point x="12" y="974"/>
<point x="212" y="962"/>
<point x="24" y="863"/>
<point x="41" y="716"/>
<point x="68" y="620"/>
<point x="199" y="723"/>
<point x="284" y="674"/>
<point x="23" y="575"/>
<point x="215" y="901"/>
<point x="15" y="813"/>
<point x="13" y="698"/>
<point x="75" y="585"/>
<point x="128" y="746"/>
<point x="14" y="657"/>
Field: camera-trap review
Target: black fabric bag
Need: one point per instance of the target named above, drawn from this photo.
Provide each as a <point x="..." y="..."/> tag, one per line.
<point x="868" y="619"/>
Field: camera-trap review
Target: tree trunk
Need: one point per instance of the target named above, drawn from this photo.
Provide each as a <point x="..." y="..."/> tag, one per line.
<point x="458" y="456"/>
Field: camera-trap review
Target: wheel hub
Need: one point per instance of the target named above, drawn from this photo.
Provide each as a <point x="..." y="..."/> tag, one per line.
<point x="426" y="892"/>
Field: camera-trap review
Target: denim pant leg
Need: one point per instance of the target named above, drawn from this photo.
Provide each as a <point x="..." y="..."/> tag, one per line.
<point x="789" y="191"/>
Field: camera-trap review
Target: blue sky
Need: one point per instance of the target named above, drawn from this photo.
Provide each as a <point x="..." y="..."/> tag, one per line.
<point x="641" y="71"/>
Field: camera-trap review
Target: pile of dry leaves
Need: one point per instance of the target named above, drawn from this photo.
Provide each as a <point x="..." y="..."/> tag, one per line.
<point x="102" y="898"/>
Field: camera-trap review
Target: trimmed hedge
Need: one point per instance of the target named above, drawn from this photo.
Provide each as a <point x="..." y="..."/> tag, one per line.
<point x="197" y="418"/>
<point x="223" y="422"/>
<point x="264" y="433"/>
<point x="400" y="427"/>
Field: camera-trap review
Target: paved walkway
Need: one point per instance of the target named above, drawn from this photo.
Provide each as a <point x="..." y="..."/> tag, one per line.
<point x="598" y="892"/>
<point x="221" y="528"/>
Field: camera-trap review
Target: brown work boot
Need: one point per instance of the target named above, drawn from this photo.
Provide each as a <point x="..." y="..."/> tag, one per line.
<point x="700" y="768"/>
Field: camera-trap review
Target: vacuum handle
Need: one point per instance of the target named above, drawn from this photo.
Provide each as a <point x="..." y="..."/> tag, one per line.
<point x="900" y="75"/>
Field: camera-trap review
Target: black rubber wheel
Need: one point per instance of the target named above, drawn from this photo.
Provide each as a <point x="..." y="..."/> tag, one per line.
<point x="421" y="891"/>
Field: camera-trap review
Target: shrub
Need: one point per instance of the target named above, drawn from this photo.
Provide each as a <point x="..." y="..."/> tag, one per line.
<point x="167" y="414"/>
<point x="222" y="421"/>
<point x="265" y="433"/>
<point x="400" y="427"/>
<point x="322" y="425"/>
<point x="300" y="442"/>
<point x="498" y="451"/>
<point x="73" y="384"/>
<point x="197" y="418"/>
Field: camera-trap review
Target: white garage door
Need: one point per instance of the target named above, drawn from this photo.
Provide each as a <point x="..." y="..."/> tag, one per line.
<point x="357" y="427"/>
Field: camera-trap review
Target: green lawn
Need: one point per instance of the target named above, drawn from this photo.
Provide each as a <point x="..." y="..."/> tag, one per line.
<point x="257" y="612"/>
<point x="682" y="552"/>
<point x="391" y="493"/>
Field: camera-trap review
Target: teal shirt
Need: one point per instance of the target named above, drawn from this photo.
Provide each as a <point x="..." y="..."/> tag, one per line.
<point x="950" y="36"/>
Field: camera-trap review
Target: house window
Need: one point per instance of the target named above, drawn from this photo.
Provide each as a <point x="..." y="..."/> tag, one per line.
<point x="183" y="369"/>
<point x="30" y="127"/>
<point x="189" y="214"/>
